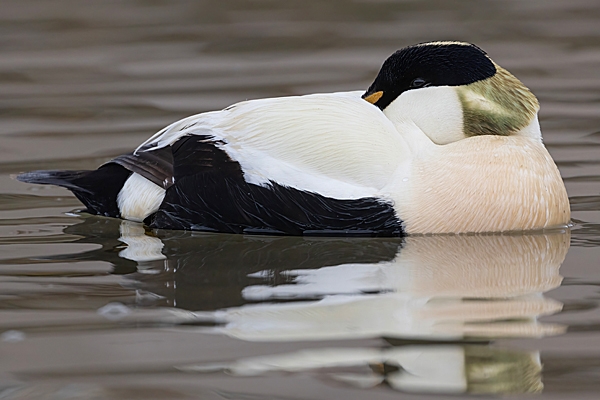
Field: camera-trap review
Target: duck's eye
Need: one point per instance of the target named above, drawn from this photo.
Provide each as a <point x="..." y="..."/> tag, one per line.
<point x="418" y="82"/>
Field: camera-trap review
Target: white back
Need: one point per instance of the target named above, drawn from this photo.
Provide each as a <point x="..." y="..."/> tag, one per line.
<point x="335" y="144"/>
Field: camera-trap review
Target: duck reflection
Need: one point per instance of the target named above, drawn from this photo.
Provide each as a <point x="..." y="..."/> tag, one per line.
<point x="283" y="288"/>
<point x="198" y="271"/>
<point x="436" y="289"/>
<point x="435" y="368"/>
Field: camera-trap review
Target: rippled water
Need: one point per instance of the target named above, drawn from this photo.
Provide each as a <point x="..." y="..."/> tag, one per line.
<point x="94" y="308"/>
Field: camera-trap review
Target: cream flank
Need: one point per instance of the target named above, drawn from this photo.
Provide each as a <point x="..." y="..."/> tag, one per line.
<point x="139" y="198"/>
<point x="484" y="184"/>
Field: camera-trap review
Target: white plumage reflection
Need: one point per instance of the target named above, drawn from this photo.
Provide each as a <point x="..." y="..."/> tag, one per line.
<point x="446" y="293"/>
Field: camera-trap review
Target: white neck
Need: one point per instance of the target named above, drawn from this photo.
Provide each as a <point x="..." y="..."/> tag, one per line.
<point x="437" y="111"/>
<point x="440" y="113"/>
<point x="532" y="130"/>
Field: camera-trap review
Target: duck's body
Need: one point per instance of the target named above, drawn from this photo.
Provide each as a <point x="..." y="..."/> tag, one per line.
<point x="335" y="164"/>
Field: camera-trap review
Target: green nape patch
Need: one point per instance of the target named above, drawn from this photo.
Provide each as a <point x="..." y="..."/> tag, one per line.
<point x="500" y="105"/>
<point x="499" y="371"/>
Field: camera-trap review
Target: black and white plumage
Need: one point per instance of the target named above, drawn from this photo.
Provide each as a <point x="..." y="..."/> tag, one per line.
<point x="334" y="164"/>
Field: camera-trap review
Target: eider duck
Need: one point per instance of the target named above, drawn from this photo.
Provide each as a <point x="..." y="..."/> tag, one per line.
<point x="443" y="141"/>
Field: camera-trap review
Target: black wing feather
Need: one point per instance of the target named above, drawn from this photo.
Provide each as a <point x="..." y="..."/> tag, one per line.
<point x="211" y="194"/>
<point x="206" y="191"/>
<point x="97" y="190"/>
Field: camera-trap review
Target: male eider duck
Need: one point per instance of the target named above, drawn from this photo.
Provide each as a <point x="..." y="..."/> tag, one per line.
<point x="443" y="141"/>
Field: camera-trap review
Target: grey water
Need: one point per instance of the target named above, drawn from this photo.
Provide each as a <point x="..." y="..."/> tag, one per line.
<point x="98" y="308"/>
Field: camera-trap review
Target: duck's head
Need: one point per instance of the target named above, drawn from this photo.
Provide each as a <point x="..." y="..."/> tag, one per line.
<point x="453" y="90"/>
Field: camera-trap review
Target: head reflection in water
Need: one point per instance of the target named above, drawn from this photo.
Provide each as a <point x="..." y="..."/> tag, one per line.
<point x="437" y="289"/>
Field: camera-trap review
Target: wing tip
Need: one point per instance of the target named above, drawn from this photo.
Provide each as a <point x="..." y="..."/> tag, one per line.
<point x="66" y="179"/>
<point x="40" y="177"/>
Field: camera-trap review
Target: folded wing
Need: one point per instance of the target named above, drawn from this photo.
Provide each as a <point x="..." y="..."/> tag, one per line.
<point x="336" y="144"/>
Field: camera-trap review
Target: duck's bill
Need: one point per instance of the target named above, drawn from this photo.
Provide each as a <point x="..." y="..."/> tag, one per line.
<point x="373" y="97"/>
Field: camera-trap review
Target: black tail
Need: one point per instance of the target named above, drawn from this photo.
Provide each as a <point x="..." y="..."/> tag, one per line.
<point x="97" y="189"/>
